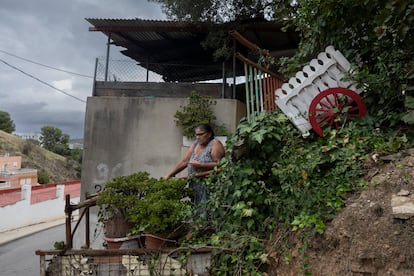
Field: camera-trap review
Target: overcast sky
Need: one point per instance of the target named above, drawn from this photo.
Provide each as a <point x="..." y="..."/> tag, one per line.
<point x="55" y="33"/>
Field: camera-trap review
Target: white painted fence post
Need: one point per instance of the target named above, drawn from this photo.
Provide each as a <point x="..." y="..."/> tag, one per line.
<point x="26" y="193"/>
<point x="60" y="191"/>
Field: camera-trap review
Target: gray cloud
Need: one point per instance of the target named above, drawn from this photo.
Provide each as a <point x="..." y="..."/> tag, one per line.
<point x="55" y="33"/>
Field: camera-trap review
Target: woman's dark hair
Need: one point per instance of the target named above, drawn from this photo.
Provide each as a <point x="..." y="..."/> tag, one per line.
<point x="207" y="128"/>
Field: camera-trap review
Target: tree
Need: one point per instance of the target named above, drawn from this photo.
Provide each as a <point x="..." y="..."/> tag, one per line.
<point x="216" y="10"/>
<point x="54" y="140"/>
<point x="377" y="36"/>
<point x="6" y="123"/>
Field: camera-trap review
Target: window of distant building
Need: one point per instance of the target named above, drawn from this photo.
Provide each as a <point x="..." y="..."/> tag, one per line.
<point x="4" y="184"/>
<point x="25" y="181"/>
<point x="14" y="164"/>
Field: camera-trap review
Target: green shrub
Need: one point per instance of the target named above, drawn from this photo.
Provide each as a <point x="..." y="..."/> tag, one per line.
<point x="162" y="209"/>
<point x="198" y="111"/>
<point x="284" y="180"/>
<point x="121" y="194"/>
<point x="43" y="177"/>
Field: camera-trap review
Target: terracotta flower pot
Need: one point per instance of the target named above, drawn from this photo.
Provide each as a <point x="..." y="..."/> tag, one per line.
<point x="158" y="240"/>
<point x="116" y="227"/>
<point x="130" y="242"/>
<point x="116" y="230"/>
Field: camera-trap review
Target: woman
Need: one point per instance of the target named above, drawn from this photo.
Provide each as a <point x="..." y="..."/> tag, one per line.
<point x="203" y="155"/>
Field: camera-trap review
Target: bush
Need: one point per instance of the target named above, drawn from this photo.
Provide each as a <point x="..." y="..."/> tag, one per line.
<point x="27" y="147"/>
<point x="162" y="209"/>
<point x="197" y="112"/>
<point x="285" y="180"/>
<point x="43" y="177"/>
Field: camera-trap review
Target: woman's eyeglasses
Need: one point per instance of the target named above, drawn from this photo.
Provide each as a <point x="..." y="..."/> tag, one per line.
<point x="200" y="134"/>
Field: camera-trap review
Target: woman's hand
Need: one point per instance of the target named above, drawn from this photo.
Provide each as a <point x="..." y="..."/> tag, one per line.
<point x="196" y="164"/>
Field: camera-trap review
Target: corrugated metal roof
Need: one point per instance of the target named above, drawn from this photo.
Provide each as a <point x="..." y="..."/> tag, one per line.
<point x="161" y="43"/>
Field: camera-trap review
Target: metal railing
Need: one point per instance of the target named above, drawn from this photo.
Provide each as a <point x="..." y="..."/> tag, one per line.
<point x="106" y="262"/>
<point x="260" y="82"/>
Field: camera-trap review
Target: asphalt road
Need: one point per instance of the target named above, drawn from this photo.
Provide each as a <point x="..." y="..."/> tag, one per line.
<point x="18" y="258"/>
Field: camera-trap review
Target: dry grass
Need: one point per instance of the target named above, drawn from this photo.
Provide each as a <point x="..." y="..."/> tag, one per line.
<point x="58" y="168"/>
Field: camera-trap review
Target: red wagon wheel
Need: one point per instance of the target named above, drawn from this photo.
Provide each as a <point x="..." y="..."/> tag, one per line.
<point x="334" y="106"/>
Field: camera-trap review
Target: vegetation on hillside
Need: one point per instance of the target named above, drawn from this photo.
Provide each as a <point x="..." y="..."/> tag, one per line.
<point x="53" y="139"/>
<point x="51" y="166"/>
<point x="285" y="180"/>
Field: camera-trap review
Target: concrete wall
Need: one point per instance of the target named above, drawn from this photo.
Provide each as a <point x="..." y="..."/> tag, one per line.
<point x="124" y="135"/>
<point x="131" y="128"/>
<point x="158" y="89"/>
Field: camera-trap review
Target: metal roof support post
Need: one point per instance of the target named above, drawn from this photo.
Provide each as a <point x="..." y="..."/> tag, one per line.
<point x="147" y="69"/>
<point x="108" y="44"/>
<point x="224" y="84"/>
<point x="94" y="78"/>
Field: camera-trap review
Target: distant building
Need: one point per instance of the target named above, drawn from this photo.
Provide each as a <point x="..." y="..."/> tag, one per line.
<point x="76" y="144"/>
<point x="12" y="175"/>
<point x="29" y="136"/>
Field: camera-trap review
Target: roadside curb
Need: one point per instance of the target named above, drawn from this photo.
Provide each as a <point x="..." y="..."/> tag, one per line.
<point x="15" y="234"/>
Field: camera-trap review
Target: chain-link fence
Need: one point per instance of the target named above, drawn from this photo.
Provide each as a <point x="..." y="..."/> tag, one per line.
<point x="123" y="71"/>
<point x="133" y="71"/>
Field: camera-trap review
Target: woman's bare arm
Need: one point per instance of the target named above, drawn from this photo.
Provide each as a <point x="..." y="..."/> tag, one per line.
<point x="182" y="164"/>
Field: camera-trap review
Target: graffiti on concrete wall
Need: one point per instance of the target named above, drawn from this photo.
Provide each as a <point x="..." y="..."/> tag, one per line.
<point x="104" y="174"/>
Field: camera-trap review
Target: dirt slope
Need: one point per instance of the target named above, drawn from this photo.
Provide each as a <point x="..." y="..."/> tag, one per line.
<point x="56" y="166"/>
<point x="366" y="238"/>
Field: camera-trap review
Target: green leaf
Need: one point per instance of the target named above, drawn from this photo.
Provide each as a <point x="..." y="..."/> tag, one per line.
<point x="408" y="117"/>
<point x="250" y="223"/>
<point x="258" y="136"/>
<point x="409" y="102"/>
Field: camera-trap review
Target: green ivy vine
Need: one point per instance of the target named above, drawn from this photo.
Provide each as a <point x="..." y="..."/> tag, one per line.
<point x="283" y="179"/>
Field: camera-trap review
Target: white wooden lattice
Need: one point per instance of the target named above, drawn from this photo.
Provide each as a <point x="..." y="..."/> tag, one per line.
<point x="325" y="71"/>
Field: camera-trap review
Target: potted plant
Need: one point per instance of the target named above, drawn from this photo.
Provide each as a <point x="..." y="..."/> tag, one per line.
<point x="118" y="197"/>
<point x="198" y="111"/>
<point x="162" y="213"/>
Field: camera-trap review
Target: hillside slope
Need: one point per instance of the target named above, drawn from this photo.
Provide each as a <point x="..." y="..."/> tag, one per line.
<point x="368" y="237"/>
<point x="56" y="166"/>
